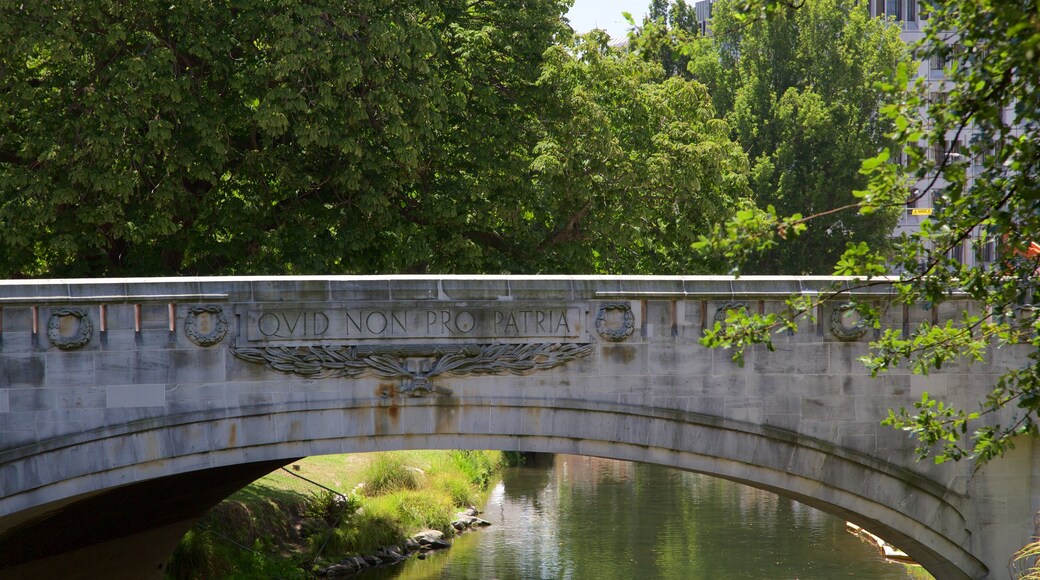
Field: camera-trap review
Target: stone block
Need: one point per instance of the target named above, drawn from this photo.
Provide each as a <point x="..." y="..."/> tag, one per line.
<point x="787" y="422"/>
<point x="708" y="287"/>
<point x="844" y="357"/>
<point x="291" y="290"/>
<point x="135" y="396"/>
<point x="69" y="369"/>
<point x="416" y="289"/>
<point x="746" y="409"/>
<point x="622" y="359"/>
<point x="360" y="289"/>
<point x="816" y="385"/>
<point x="676" y="359"/>
<point x="723" y="363"/>
<point x="80" y="397"/>
<point x="782" y="405"/>
<point x="803" y="359"/>
<point x="21" y="342"/>
<point x="934" y="384"/>
<point x="633" y="429"/>
<point x="22" y="371"/>
<point x="767" y="385"/>
<point x="15" y="319"/>
<point x="713" y="406"/>
<point x="725" y="386"/>
<point x="466" y="289"/>
<point x="553" y="288"/>
<point x="5" y="401"/>
<point x="659" y="321"/>
<point x="829" y="408"/>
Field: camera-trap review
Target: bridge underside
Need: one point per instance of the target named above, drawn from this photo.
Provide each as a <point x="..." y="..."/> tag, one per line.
<point x="194" y="467"/>
<point x="126" y="533"/>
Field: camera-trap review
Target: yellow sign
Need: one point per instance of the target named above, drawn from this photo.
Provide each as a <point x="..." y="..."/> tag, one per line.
<point x="921" y="211"/>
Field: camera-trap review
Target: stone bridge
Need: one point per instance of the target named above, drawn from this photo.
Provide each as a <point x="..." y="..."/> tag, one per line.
<point x="130" y="407"/>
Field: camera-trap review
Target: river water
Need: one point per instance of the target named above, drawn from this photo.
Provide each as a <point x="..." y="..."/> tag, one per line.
<point x="583" y="517"/>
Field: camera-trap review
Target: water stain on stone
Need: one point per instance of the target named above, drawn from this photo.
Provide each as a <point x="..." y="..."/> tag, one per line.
<point x="622" y="354"/>
<point x="446" y="415"/>
<point x="387" y="393"/>
<point x="233" y="437"/>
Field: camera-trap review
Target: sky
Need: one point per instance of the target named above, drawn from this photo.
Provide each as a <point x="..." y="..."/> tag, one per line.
<point x="606" y="14"/>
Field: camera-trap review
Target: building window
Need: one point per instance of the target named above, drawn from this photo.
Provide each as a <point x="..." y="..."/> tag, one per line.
<point x="894" y="9"/>
<point x="938" y="152"/>
<point x="911" y="10"/>
<point x="937" y="62"/>
<point x="913" y="197"/>
<point x="989" y="251"/>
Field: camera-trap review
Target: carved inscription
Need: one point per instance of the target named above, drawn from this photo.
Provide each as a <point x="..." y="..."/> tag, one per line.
<point x="381" y="323"/>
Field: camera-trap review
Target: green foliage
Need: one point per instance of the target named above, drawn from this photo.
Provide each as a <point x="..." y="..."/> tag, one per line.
<point x="632" y="165"/>
<point x="387" y="473"/>
<point x="363" y="535"/>
<point x="201" y="554"/>
<point x="332" y="508"/>
<point x="993" y="101"/>
<point x="283" y="137"/>
<point x="457" y="487"/>
<point x="800" y="92"/>
<point x="514" y="458"/>
<point x="477" y="466"/>
<point x="323" y="137"/>
<point x="195" y="557"/>
<point x="415" y="510"/>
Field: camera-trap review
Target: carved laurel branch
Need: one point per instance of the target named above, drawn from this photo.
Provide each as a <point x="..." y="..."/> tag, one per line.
<point x="388" y="362"/>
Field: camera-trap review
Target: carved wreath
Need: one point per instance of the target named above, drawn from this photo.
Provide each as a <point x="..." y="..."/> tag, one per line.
<point x="84" y="332"/>
<point x="214" y="336"/>
<point x="617" y="334"/>
<point x="723" y="311"/>
<point x="838" y="327"/>
<point x="353" y="361"/>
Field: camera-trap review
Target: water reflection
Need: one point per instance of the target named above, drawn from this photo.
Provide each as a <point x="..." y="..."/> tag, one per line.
<point x="583" y="517"/>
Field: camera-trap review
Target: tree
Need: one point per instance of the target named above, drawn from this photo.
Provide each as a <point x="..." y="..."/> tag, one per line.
<point x="800" y="92"/>
<point x="640" y="156"/>
<point x="312" y="136"/>
<point x="264" y="137"/>
<point x="992" y="81"/>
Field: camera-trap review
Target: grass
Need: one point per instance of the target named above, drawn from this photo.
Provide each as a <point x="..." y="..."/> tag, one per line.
<point x="284" y="520"/>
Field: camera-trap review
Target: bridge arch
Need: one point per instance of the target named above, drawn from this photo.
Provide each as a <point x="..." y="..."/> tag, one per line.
<point x="922" y="518"/>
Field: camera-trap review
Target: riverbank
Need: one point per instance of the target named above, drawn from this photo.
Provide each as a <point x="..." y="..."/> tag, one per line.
<point x="299" y="521"/>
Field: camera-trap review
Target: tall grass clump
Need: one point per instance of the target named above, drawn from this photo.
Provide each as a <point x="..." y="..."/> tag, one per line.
<point x="196" y="556"/>
<point x="1025" y="563"/>
<point x="387" y="473"/>
<point x="457" y="487"/>
<point x="415" y="510"/>
<point x="478" y="466"/>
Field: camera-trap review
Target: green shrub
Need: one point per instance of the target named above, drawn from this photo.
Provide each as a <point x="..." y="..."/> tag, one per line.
<point x="332" y="508"/>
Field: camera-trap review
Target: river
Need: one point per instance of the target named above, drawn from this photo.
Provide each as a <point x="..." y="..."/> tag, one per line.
<point x="583" y="517"/>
